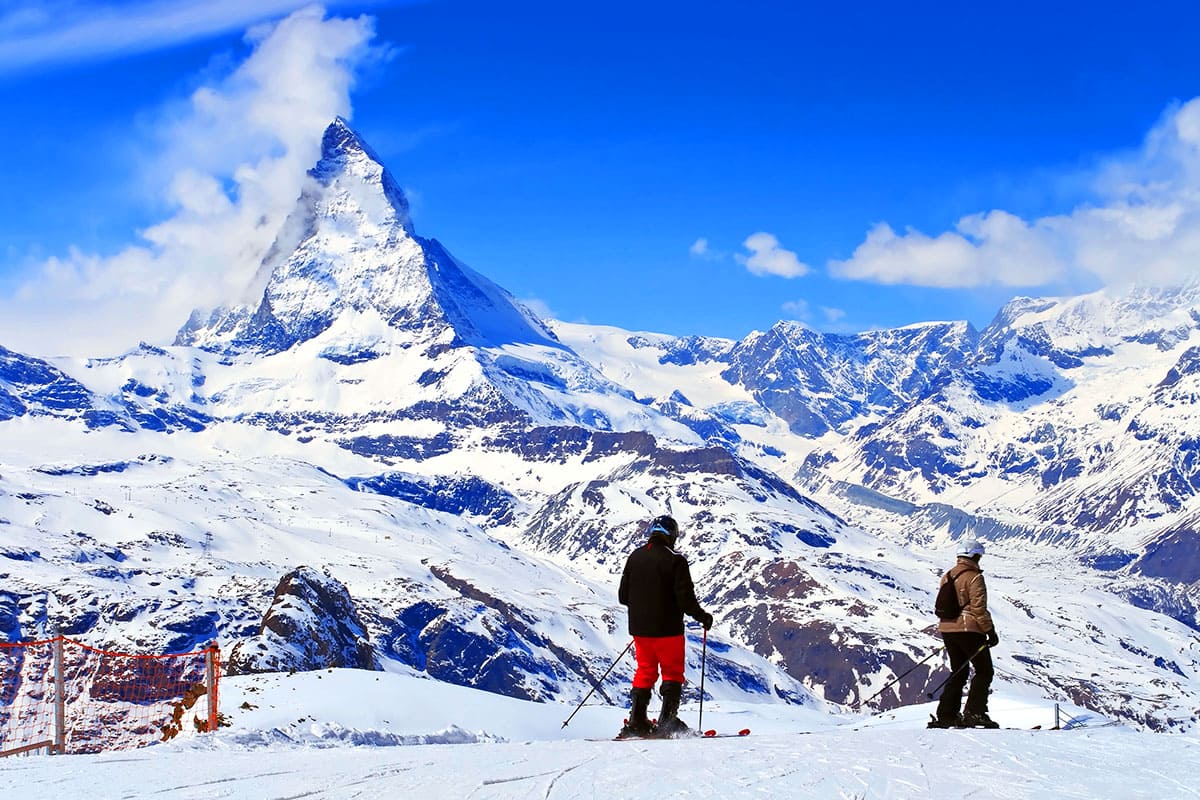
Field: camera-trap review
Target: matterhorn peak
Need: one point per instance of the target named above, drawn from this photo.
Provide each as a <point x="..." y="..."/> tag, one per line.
<point x="348" y="164"/>
<point x="340" y="138"/>
<point x="349" y="247"/>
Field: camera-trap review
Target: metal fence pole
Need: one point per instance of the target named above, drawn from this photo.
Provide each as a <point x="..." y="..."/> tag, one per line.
<point x="212" y="668"/>
<point x="60" y="698"/>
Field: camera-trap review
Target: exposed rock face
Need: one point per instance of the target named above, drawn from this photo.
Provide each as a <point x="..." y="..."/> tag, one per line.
<point x="312" y="624"/>
<point x="10" y="622"/>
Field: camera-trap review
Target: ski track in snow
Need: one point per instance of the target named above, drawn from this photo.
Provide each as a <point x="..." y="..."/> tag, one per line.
<point x="519" y="750"/>
<point x="371" y="735"/>
<point x="1109" y="762"/>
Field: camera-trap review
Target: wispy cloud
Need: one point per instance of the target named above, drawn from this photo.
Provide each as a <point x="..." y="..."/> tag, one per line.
<point x="539" y="307"/>
<point x="1142" y="225"/>
<point x="768" y="257"/>
<point x="45" y="32"/>
<point x="832" y="315"/>
<point x="234" y="160"/>
<point x="802" y="311"/>
<point x="797" y="309"/>
<point x="703" y="251"/>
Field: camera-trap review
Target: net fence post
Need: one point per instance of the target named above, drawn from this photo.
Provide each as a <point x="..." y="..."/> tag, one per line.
<point x="60" y="699"/>
<point x="212" y="658"/>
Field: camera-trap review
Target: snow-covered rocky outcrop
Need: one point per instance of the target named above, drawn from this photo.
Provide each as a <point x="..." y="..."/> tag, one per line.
<point x="312" y="624"/>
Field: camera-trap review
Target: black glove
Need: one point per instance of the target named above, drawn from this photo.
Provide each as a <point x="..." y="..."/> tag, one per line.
<point x="993" y="638"/>
<point x="705" y="619"/>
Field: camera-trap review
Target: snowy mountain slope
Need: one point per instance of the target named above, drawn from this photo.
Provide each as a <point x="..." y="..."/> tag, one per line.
<point x="933" y="442"/>
<point x="820" y="382"/>
<point x="163" y="552"/>
<point x="812" y="381"/>
<point x="170" y="549"/>
<point x="847" y="610"/>
<point x="33" y="386"/>
<point x="1030" y="374"/>
<point x="814" y="384"/>
<point x="1079" y="425"/>
<point x="312" y="624"/>
<point x="1069" y="417"/>
<point x="475" y="478"/>
<point x="37" y="387"/>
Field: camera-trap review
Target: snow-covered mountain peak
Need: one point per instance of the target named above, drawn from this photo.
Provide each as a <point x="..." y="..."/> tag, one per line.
<point x="341" y="146"/>
<point x="349" y="246"/>
<point x="1104" y="317"/>
<point x="347" y="166"/>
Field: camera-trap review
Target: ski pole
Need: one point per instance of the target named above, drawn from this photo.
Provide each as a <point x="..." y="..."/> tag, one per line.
<point x="597" y="684"/>
<point x="961" y="667"/>
<point x="703" y="658"/>
<point x="897" y="679"/>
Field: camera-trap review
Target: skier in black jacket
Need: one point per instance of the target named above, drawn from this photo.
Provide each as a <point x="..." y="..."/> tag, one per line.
<point x="657" y="587"/>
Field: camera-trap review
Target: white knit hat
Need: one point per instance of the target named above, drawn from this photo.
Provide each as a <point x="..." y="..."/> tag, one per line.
<point x="970" y="546"/>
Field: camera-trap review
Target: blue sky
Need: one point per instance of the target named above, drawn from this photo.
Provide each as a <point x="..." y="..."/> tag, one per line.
<point x="680" y="167"/>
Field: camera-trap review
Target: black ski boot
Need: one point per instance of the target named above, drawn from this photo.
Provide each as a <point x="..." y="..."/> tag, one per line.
<point x="670" y="726"/>
<point x="972" y="719"/>
<point x="948" y="722"/>
<point x="637" y="726"/>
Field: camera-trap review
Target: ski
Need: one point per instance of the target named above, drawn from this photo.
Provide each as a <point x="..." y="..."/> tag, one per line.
<point x="711" y="734"/>
<point x="934" y="725"/>
<point x="708" y="734"/>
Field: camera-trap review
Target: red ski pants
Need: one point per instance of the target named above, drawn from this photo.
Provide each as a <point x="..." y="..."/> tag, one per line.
<point x="653" y="652"/>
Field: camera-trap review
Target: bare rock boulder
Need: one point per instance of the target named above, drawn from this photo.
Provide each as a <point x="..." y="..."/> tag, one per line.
<point x="312" y="624"/>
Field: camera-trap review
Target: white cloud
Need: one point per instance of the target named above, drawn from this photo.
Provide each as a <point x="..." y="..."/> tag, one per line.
<point x="768" y="258"/>
<point x="992" y="248"/>
<point x="797" y="309"/>
<point x="1143" y="225"/>
<point x="703" y="251"/>
<point x="68" y="31"/>
<point x="236" y="155"/>
<point x="833" y="315"/>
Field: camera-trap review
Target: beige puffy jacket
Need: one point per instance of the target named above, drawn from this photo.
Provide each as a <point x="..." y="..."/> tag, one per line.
<point x="972" y="596"/>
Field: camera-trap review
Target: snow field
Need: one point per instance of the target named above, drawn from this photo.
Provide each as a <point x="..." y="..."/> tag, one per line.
<point x="352" y="734"/>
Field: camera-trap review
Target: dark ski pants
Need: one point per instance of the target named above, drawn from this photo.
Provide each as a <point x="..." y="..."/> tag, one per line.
<point x="960" y="647"/>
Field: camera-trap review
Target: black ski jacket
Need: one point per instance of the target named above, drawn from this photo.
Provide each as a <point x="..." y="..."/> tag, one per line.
<point x="657" y="587"/>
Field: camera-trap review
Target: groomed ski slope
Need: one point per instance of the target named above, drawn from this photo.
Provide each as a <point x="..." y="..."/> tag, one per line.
<point x="350" y="734"/>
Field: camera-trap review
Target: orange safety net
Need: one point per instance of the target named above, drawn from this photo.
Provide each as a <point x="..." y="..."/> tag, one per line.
<point x="110" y="701"/>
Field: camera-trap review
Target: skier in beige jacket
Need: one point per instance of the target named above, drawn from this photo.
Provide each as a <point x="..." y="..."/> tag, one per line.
<point x="969" y="637"/>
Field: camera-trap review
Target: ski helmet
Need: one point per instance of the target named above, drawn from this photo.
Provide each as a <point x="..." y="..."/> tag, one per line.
<point x="665" y="525"/>
<point x="970" y="546"/>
